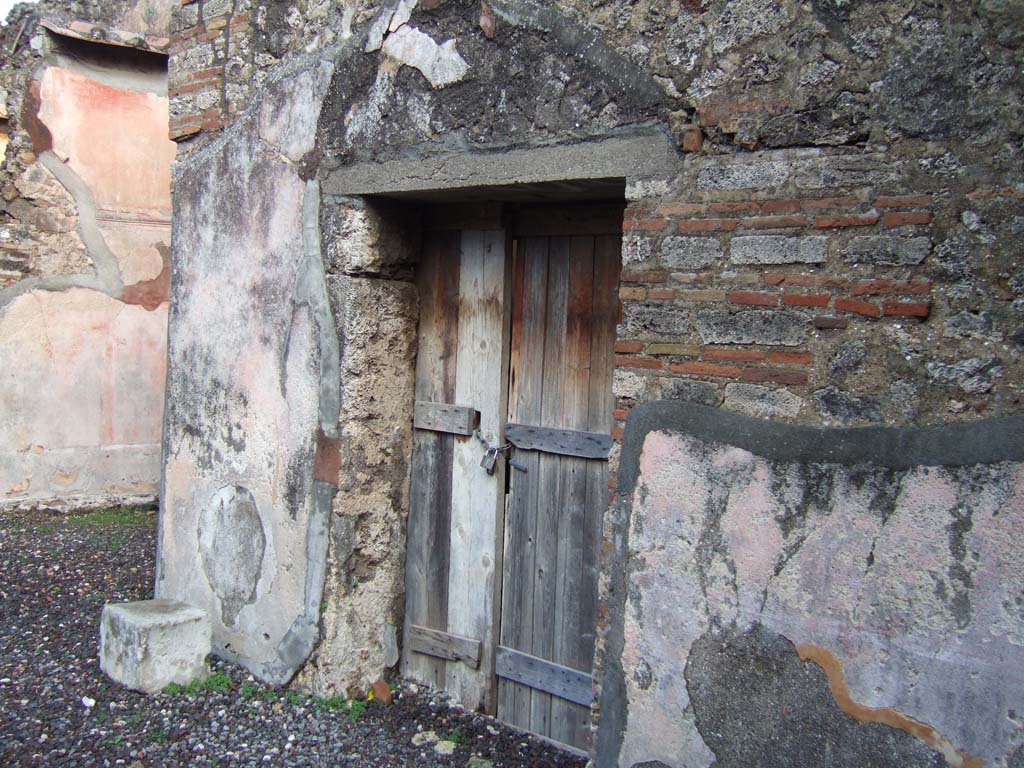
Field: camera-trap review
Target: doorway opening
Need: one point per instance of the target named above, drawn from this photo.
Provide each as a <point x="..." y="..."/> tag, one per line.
<point x="509" y="479"/>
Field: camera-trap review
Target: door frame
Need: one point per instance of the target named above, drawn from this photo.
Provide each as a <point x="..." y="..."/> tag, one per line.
<point x="513" y="220"/>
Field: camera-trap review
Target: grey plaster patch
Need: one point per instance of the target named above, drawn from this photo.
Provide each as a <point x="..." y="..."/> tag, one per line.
<point x="739" y="682"/>
<point x="983" y="442"/>
<point x="786" y="328"/>
<point x="776" y="249"/>
<point x="107" y="273"/>
<point x="232" y="543"/>
<point x="311" y="290"/>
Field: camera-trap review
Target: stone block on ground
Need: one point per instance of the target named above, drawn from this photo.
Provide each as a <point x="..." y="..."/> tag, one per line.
<point x="148" y="644"/>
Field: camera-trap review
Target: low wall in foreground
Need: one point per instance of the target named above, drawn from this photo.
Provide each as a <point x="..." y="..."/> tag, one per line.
<point x="823" y="596"/>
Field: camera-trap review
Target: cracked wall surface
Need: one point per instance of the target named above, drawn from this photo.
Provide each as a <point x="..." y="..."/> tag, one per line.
<point x="824" y="203"/>
<point x="252" y="400"/>
<point x="784" y="606"/>
<point x="84" y="247"/>
<point x="236" y="251"/>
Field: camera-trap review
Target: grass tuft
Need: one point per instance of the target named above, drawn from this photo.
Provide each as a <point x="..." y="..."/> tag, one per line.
<point x="219" y="682"/>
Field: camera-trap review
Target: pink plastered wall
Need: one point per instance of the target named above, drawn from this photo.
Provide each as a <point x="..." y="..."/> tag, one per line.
<point x="82" y="368"/>
<point x="903" y="585"/>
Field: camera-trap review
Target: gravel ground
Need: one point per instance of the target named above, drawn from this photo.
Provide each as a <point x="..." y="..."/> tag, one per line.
<point x="57" y="708"/>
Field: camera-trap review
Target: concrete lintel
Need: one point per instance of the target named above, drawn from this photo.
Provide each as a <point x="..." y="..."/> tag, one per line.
<point x="639" y="155"/>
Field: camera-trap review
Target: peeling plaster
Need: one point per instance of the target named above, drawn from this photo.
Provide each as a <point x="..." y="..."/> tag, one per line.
<point x="440" y="64"/>
<point x="107" y="276"/>
<point x="891" y="548"/>
<point x="833" y="669"/>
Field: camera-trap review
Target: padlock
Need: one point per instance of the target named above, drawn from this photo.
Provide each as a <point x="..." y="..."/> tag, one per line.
<point x="490" y="460"/>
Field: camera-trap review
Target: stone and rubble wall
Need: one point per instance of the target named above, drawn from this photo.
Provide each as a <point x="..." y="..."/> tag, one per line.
<point x="822" y="230"/>
<point x="84" y="249"/>
<point x="836" y="286"/>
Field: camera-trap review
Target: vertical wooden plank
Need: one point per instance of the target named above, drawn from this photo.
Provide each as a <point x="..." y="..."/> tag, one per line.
<point x="476" y="496"/>
<point x="431" y="469"/>
<point x="568" y="718"/>
<point x="607" y="260"/>
<point x="551" y="493"/>
<point x="526" y="380"/>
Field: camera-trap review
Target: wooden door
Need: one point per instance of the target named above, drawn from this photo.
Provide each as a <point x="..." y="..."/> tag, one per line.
<point x="560" y="414"/>
<point x="501" y="572"/>
<point x="456" y="507"/>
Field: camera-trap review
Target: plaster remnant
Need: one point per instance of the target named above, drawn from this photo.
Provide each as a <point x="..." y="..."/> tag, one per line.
<point x="402" y="14"/>
<point x="895" y="546"/>
<point x="232" y="544"/>
<point x="833" y="670"/>
<point x="311" y="290"/>
<point x="107" y="274"/>
<point x="440" y="64"/>
<point x="288" y="118"/>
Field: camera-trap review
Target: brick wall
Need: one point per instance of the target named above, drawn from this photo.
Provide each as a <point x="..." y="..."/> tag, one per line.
<point x="210" y="65"/>
<point x="818" y="287"/>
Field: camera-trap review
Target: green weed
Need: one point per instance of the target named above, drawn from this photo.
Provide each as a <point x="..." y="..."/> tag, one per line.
<point x="353" y="708"/>
<point x="249" y="690"/>
<point x="219" y="682"/>
<point x="455" y="735"/>
<point x="114" y="516"/>
<point x="356" y="708"/>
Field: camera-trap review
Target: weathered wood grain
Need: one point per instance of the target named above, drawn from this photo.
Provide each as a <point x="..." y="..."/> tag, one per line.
<point x="566" y="442"/>
<point x="568" y="720"/>
<point x="441" y="417"/>
<point x="444" y="645"/>
<point x="477" y="497"/>
<point x="543" y="675"/>
<point x="431" y="470"/>
<point x="526" y="380"/>
<point x="551" y="488"/>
